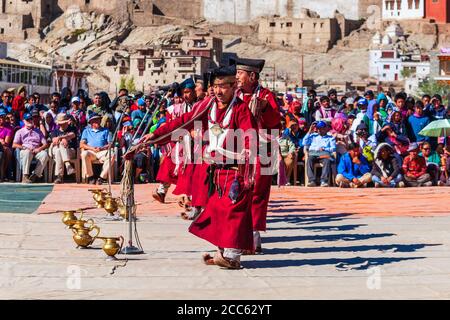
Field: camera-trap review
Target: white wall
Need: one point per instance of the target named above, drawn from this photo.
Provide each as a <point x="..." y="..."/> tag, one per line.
<point x="392" y="13"/>
<point x="243" y="11"/>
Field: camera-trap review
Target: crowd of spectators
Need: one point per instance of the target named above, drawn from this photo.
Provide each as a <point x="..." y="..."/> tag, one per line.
<point x="357" y="141"/>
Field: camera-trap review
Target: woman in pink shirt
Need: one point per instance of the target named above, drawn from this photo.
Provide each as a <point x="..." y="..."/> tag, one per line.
<point x="6" y="136"/>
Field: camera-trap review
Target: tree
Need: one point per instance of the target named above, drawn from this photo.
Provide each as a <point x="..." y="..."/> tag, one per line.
<point x="432" y="87"/>
<point x="131" y="86"/>
<point x="123" y="82"/>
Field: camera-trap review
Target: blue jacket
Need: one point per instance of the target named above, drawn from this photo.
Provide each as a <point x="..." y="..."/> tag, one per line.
<point x="352" y="170"/>
<point x="416" y="125"/>
<point x="315" y="142"/>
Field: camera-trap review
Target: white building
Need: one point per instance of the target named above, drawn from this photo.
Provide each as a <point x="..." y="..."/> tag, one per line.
<point x="403" y="9"/>
<point x="35" y="77"/>
<point x="387" y="66"/>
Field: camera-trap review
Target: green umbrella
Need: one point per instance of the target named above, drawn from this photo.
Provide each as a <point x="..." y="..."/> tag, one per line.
<point x="438" y="128"/>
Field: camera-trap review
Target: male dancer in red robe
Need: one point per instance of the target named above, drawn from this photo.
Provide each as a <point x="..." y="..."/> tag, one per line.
<point x="263" y="105"/>
<point x="226" y="221"/>
<point x="169" y="173"/>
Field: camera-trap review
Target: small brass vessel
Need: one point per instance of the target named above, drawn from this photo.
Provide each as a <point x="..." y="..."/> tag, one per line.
<point x="111" y="247"/>
<point x="99" y="196"/>
<point x="123" y="211"/>
<point x="82" y="237"/>
<point x="69" y="217"/>
<point x="111" y="204"/>
<point x="81" y="224"/>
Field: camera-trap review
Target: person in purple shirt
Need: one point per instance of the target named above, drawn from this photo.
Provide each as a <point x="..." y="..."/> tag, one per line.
<point x="6" y="137"/>
<point x="32" y="144"/>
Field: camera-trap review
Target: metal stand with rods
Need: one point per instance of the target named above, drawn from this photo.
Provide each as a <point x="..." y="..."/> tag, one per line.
<point x="131" y="213"/>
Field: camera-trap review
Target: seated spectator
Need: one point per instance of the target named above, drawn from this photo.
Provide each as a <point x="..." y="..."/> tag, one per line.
<point x="325" y="112"/>
<point x="6" y="101"/>
<point x="6" y="137"/>
<point x="18" y="103"/>
<point x="321" y="147"/>
<point x="416" y="123"/>
<point x="341" y="134"/>
<point x="78" y="114"/>
<point x="415" y="168"/>
<point x="444" y="179"/>
<point x="37" y="103"/>
<point x="386" y="170"/>
<point x="49" y="124"/>
<point x="64" y="147"/>
<point x="437" y="110"/>
<point x="433" y="161"/>
<point x="53" y="108"/>
<point x="125" y="137"/>
<point x="94" y="142"/>
<point x="308" y="109"/>
<point x="368" y="143"/>
<point x="288" y="148"/>
<point x="353" y="169"/>
<point x="32" y="144"/>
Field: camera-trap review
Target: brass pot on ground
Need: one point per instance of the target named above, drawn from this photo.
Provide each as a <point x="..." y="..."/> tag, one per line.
<point x="69" y="217"/>
<point x="80" y="224"/>
<point x="82" y="237"/>
<point x="111" y="204"/>
<point x="111" y="247"/>
<point x="99" y="196"/>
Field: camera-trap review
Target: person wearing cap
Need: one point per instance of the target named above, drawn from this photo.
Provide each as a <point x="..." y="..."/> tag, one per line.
<point x="264" y="107"/>
<point x="226" y="222"/>
<point x="386" y="168"/>
<point x="94" y="144"/>
<point x="415" y="168"/>
<point x="77" y="114"/>
<point x="141" y="111"/>
<point x="32" y="145"/>
<point x="6" y="137"/>
<point x="64" y="146"/>
<point x="321" y="148"/>
<point x="348" y="107"/>
<point x="326" y="112"/>
<point x="353" y="169"/>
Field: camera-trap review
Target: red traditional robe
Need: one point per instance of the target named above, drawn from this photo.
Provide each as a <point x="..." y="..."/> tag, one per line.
<point x="270" y="119"/>
<point x="223" y="223"/>
<point x="167" y="172"/>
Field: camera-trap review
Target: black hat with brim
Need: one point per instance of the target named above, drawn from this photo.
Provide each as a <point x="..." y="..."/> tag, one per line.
<point x="250" y="65"/>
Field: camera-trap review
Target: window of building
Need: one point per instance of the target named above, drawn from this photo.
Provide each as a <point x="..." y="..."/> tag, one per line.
<point x="288" y="24"/>
<point x="387" y="54"/>
<point x="300" y="36"/>
<point x="321" y="25"/>
<point x="386" y="67"/>
<point x="272" y="24"/>
<point x="301" y="25"/>
<point x="314" y="25"/>
<point x="2" y="31"/>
